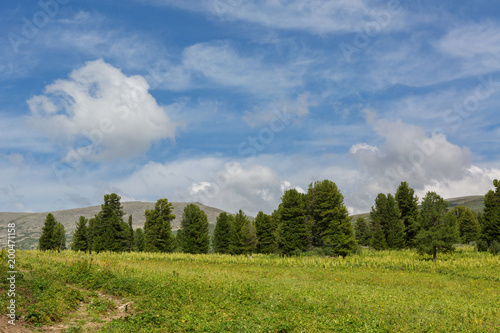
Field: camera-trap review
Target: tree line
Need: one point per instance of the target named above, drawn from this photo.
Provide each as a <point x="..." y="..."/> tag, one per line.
<point x="316" y="221"/>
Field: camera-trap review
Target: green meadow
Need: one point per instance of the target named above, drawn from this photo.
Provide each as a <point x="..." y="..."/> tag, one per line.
<point x="384" y="291"/>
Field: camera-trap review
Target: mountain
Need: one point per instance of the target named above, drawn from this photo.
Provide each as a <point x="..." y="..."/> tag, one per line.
<point x="29" y="225"/>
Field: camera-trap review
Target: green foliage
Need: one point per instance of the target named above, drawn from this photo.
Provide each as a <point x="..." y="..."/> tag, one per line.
<point x="293" y="225"/>
<point x="139" y="240"/>
<point x="131" y="244"/>
<point x="491" y="223"/>
<point x="222" y="233"/>
<point x="249" y="237"/>
<point x="378" y="241"/>
<point x="266" y="233"/>
<point x="362" y="231"/>
<point x="157" y="228"/>
<point x="80" y="235"/>
<point x="109" y="231"/>
<point x="439" y="228"/>
<point x="468" y="224"/>
<point x="237" y="242"/>
<point x="387" y="215"/>
<point x="194" y="230"/>
<point x="408" y="207"/>
<point x="53" y="235"/>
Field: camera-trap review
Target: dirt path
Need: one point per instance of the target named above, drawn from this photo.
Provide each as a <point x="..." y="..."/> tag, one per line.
<point x="88" y="320"/>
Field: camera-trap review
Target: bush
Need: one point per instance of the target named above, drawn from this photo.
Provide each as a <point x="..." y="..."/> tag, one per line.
<point x="494" y="247"/>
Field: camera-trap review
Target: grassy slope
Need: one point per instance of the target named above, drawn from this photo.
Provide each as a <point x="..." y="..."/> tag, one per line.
<point x="371" y="292"/>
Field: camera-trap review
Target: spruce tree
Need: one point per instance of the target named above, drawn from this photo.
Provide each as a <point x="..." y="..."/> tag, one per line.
<point x="139" y="240"/>
<point x="265" y="229"/>
<point x="326" y="210"/>
<point x="408" y="207"/>
<point x="109" y="231"/>
<point x="439" y="228"/>
<point x="237" y="244"/>
<point x="249" y="238"/>
<point x="46" y="240"/>
<point x="80" y="240"/>
<point x="293" y="228"/>
<point x="59" y="237"/>
<point x="378" y="241"/>
<point x="362" y="232"/>
<point x="491" y="222"/>
<point x="194" y="227"/>
<point x="386" y="214"/>
<point x="222" y="234"/>
<point x="157" y="228"/>
<point x="468" y="224"/>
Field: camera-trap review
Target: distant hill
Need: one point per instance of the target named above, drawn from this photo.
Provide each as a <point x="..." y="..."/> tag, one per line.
<point x="29" y="225"/>
<point x="474" y="202"/>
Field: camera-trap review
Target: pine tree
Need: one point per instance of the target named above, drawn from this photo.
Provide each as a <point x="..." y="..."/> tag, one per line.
<point x="378" y="241"/>
<point x="194" y="227"/>
<point x="130" y="234"/>
<point x="362" y="232"/>
<point x="46" y="240"/>
<point x="157" y="228"/>
<point x="439" y="229"/>
<point x="59" y="237"/>
<point x="249" y="238"/>
<point x="109" y="231"/>
<point x="222" y="233"/>
<point x="293" y="228"/>
<point x="237" y="244"/>
<point x="326" y="210"/>
<point x="386" y="213"/>
<point x="265" y="229"/>
<point x="139" y="240"/>
<point x="80" y="240"/>
<point x="408" y="206"/>
<point x="491" y="223"/>
<point x="468" y="224"/>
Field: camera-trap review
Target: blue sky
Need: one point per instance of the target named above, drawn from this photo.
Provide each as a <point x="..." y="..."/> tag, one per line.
<point x="231" y="102"/>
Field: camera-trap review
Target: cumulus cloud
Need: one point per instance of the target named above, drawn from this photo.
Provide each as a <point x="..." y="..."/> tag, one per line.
<point x="99" y="113"/>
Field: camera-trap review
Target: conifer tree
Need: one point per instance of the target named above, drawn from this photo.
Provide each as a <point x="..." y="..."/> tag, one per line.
<point x="139" y="240"/>
<point x="222" y="233"/>
<point x="130" y="234"/>
<point x="326" y="209"/>
<point x="59" y="237"/>
<point x="293" y="228"/>
<point x="249" y="237"/>
<point x="468" y="224"/>
<point x="362" y="232"/>
<point x="80" y="236"/>
<point x="491" y="222"/>
<point x="378" y="241"/>
<point x="109" y="231"/>
<point x="157" y="228"/>
<point x="386" y="214"/>
<point x="439" y="229"/>
<point x="194" y="229"/>
<point x="237" y="244"/>
<point x="408" y="207"/>
<point x="46" y="240"/>
<point x="265" y="229"/>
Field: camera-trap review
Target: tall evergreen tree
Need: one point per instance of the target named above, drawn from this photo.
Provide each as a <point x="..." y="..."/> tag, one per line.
<point x="293" y="228"/>
<point x="326" y="209"/>
<point x="237" y="244"/>
<point x="80" y="240"/>
<point x="491" y="222"/>
<point x="59" y="237"/>
<point x="386" y="213"/>
<point x="265" y="229"/>
<point x="130" y="234"/>
<point x="139" y="240"/>
<point x="194" y="227"/>
<point x="109" y="230"/>
<point x="408" y="207"/>
<point x="362" y="231"/>
<point x="46" y="240"/>
<point x="222" y="234"/>
<point x="468" y="224"/>
<point x="439" y="229"/>
<point x="378" y="241"/>
<point x="249" y="237"/>
<point x="157" y="228"/>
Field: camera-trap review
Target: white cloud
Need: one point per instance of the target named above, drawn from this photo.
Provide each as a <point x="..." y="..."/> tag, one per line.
<point x="101" y="114"/>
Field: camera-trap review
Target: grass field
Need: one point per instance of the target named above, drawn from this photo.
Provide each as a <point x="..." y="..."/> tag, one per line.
<point x="396" y="291"/>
